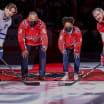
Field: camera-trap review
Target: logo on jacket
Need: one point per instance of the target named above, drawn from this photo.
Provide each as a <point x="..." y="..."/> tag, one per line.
<point x="5" y="26"/>
<point x="33" y="38"/>
<point x="25" y="23"/>
<point x="61" y="37"/>
<point x="44" y="31"/>
<point x="78" y="31"/>
<point x="20" y="31"/>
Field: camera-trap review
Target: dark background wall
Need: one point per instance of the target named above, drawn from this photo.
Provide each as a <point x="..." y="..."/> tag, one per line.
<point x="51" y="12"/>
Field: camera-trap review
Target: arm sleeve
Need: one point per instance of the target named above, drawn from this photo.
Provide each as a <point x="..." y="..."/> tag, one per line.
<point x="61" y="41"/>
<point x="9" y="24"/>
<point x="102" y="37"/>
<point x="3" y="32"/>
<point x="44" y="36"/>
<point x="78" y="43"/>
<point x="21" y="36"/>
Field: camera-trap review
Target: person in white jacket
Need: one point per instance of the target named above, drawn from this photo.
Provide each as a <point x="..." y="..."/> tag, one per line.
<point x="5" y="22"/>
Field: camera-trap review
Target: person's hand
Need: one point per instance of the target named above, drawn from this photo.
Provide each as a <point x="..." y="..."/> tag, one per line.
<point x="64" y="52"/>
<point x="77" y="55"/>
<point x="44" y="48"/>
<point x="102" y="60"/>
<point x="102" y="57"/>
<point x="25" y="53"/>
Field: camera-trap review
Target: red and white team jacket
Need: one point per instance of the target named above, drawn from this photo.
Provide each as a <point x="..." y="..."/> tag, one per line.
<point x="100" y="28"/>
<point x="70" y="41"/>
<point x="32" y="36"/>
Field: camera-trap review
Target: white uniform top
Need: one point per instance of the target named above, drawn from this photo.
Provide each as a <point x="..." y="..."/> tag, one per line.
<point x="4" y="25"/>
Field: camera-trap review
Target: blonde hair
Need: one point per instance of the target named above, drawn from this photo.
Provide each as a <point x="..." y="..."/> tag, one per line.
<point x="97" y="9"/>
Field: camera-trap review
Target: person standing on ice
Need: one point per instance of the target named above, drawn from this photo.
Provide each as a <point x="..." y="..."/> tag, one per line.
<point x="32" y="32"/>
<point x="70" y="39"/>
<point x="5" y="23"/>
<point x="98" y="14"/>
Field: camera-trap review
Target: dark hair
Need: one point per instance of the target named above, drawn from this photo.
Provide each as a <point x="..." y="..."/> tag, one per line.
<point x="11" y="5"/>
<point x="67" y="19"/>
<point x="33" y="13"/>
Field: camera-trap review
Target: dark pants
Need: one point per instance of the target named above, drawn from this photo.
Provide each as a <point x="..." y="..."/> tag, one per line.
<point x="66" y="61"/>
<point x="42" y="62"/>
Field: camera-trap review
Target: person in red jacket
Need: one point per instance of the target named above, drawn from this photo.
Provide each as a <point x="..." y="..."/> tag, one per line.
<point x="70" y="39"/>
<point x="32" y="32"/>
<point x="98" y="14"/>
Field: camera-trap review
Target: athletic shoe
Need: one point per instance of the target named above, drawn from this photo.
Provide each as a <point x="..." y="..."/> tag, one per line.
<point x="42" y="78"/>
<point x="66" y="77"/>
<point x="75" y="76"/>
<point x="24" y="78"/>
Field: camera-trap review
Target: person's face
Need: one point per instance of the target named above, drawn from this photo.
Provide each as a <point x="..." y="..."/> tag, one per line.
<point x="9" y="12"/>
<point x="68" y="26"/>
<point x="32" y="20"/>
<point x="99" y="16"/>
<point x="32" y="17"/>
